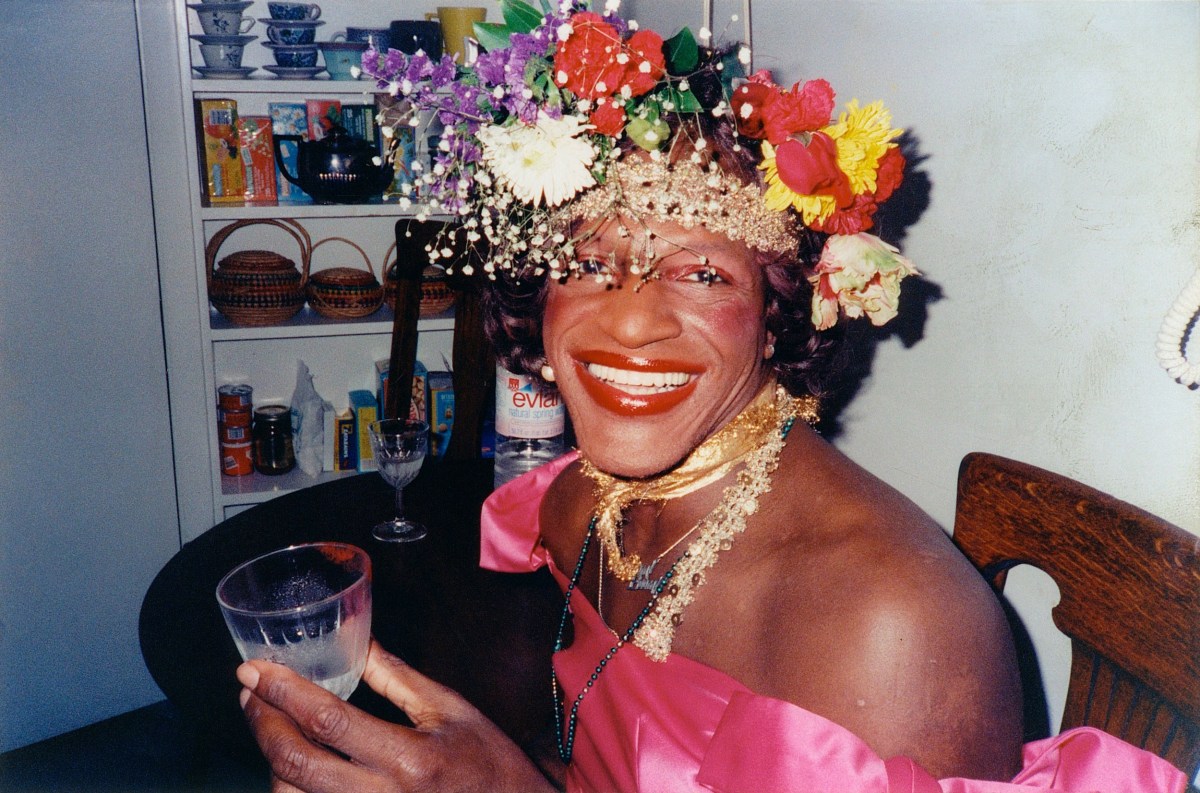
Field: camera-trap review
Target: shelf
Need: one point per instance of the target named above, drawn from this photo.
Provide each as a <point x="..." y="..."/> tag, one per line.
<point x="308" y="324"/>
<point x="375" y="208"/>
<point x="269" y="84"/>
<point x="256" y="488"/>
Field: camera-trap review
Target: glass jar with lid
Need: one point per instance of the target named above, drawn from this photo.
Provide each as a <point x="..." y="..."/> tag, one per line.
<point x="274" y="452"/>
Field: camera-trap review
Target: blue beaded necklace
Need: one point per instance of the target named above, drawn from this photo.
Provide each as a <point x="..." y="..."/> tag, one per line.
<point x="566" y="744"/>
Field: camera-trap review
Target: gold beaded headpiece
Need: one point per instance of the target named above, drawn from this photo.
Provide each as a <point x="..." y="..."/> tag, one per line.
<point x="690" y="195"/>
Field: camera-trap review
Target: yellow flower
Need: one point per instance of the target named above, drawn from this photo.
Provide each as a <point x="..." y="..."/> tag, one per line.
<point x="862" y="136"/>
<point x="778" y="196"/>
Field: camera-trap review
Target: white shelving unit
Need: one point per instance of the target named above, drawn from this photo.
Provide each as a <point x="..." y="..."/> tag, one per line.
<point x="204" y="349"/>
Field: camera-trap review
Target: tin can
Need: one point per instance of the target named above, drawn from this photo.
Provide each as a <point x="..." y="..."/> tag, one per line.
<point x="273" y="449"/>
<point x="235" y="396"/>
<point x="236" y="459"/>
<point x="234" y="418"/>
<point x="233" y="434"/>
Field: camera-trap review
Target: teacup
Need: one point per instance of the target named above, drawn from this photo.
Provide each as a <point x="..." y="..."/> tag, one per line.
<point x="290" y="10"/>
<point x="300" y="56"/>
<point x="283" y="34"/>
<point x="221" y="56"/>
<point x="378" y="38"/>
<point x="222" y="21"/>
<point x="410" y="35"/>
<point x="341" y="57"/>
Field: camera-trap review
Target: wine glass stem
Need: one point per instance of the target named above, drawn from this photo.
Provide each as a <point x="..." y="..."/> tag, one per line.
<point x="400" y="503"/>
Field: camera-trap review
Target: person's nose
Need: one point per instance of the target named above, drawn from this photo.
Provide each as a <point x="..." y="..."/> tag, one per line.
<point x="637" y="317"/>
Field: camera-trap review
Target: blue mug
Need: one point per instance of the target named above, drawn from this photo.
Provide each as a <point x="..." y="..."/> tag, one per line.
<point x="410" y="35"/>
<point x="289" y="10"/>
<point x="282" y="34"/>
<point x="301" y="56"/>
<point x="378" y="38"/>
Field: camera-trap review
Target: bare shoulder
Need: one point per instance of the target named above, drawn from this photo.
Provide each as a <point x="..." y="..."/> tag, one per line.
<point x="903" y="643"/>
<point x="565" y="511"/>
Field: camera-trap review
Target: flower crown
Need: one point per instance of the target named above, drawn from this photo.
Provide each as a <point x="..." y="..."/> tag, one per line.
<point x="531" y="142"/>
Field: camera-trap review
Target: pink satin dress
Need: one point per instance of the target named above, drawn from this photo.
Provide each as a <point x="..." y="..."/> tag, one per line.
<point x="679" y="725"/>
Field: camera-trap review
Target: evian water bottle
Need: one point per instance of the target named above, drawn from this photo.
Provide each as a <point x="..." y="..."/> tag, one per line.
<point x="530" y="421"/>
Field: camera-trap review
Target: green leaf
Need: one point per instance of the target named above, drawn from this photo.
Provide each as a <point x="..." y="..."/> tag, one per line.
<point x="492" y="36"/>
<point x="682" y="52"/>
<point x="520" y="16"/>
<point x="684" y="101"/>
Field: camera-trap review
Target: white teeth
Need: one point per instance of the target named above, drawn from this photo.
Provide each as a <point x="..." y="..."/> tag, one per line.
<point x="638" y="382"/>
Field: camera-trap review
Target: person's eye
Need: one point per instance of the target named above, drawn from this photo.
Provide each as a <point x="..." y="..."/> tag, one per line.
<point x="593" y="265"/>
<point x="709" y="276"/>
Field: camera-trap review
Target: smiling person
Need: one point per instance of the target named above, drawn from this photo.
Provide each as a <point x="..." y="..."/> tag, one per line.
<point x="744" y="608"/>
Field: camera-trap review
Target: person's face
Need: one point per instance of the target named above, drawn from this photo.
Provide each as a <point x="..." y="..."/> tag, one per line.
<point x="649" y="373"/>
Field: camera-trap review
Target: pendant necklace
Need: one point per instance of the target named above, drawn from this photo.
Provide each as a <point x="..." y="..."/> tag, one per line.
<point x="643" y="579"/>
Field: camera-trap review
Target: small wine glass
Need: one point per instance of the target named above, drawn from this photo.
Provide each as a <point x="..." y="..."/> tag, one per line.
<point x="400" y="446"/>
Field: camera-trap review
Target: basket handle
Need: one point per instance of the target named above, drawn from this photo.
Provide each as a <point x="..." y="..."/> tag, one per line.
<point x="292" y="227"/>
<point x="388" y="264"/>
<point x="366" y="258"/>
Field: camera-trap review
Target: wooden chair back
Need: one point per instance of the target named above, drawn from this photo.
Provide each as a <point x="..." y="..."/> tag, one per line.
<point x="1129" y="586"/>
<point x="474" y="369"/>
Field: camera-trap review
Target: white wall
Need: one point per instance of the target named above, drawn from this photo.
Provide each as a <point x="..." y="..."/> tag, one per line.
<point x="87" y="495"/>
<point x="1061" y="142"/>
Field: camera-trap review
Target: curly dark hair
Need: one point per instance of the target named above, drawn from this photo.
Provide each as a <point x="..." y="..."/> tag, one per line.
<point x="806" y="361"/>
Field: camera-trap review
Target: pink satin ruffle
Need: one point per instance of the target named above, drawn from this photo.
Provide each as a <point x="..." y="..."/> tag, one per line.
<point x="682" y="726"/>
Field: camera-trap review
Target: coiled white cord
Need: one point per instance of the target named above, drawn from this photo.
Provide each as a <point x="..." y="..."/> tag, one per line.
<point x="1169" y="347"/>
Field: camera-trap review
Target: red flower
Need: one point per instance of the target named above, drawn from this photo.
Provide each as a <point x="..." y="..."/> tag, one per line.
<point x="804" y="109"/>
<point x="858" y="216"/>
<point x="645" y="46"/>
<point x="812" y="169"/>
<point x="608" y="118"/>
<point x="850" y="220"/>
<point x="890" y="174"/>
<point x="748" y="102"/>
<point x="586" y="63"/>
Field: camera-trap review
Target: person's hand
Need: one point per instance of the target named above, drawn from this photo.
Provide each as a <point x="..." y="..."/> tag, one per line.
<point x="451" y="747"/>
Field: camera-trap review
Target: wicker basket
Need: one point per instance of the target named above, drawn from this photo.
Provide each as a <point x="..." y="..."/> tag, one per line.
<point x="344" y="292"/>
<point x="257" y="287"/>
<point x="436" y="294"/>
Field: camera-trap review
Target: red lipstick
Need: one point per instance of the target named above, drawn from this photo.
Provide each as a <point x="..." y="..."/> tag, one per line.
<point x="625" y="404"/>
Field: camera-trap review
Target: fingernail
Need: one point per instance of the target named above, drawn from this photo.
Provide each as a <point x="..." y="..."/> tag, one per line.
<point x="244" y="697"/>
<point x="247" y="675"/>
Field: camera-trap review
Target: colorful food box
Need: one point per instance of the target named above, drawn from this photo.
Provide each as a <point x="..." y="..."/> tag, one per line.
<point x="223" y="178"/>
<point x="366" y="410"/>
<point x="322" y="115"/>
<point x="289" y="118"/>
<point x="255" y="138"/>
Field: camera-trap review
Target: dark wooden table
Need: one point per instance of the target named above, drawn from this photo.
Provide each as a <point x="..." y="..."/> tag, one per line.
<point x="487" y="635"/>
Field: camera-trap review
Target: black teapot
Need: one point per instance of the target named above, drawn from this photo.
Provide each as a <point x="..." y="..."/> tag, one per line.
<point x="338" y="169"/>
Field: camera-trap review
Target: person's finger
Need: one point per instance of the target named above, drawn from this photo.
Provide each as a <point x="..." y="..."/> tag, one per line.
<point x="426" y="702"/>
<point x="315" y="716"/>
<point x="279" y="786"/>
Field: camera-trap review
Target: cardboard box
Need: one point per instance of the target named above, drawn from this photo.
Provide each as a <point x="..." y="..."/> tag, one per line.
<point x="366" y="410"/>
<point x="258" y="157"/>
<point x="289" y="118"/>
<point x="223" y="179"/>
<point x="420" y="388"/>
<point x="359" y="121"/>
<point x="441" y="411"/>
<point x="347" y="442"/>
<point x="322" y="115"/>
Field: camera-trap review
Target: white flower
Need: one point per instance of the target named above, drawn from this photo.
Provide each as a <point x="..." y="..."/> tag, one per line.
<point x="544" y="161"/>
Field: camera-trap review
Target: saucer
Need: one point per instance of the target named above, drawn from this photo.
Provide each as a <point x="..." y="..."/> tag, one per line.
<point x="292" y="23"/>
<point x="219" y="73"/>
<point x="239" y="6"/>
<point x="206" y="39"/>
<point x="295" y="72"/>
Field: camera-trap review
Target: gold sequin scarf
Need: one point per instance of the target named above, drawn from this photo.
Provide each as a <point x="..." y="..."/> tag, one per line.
<point x="708" y="462"/>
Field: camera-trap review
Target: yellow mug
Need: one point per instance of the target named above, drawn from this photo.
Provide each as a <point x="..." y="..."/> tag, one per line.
<point x="458" y="24"/>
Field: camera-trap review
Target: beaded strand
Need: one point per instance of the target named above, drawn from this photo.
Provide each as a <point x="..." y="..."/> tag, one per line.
<point x="566" y="745"/>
